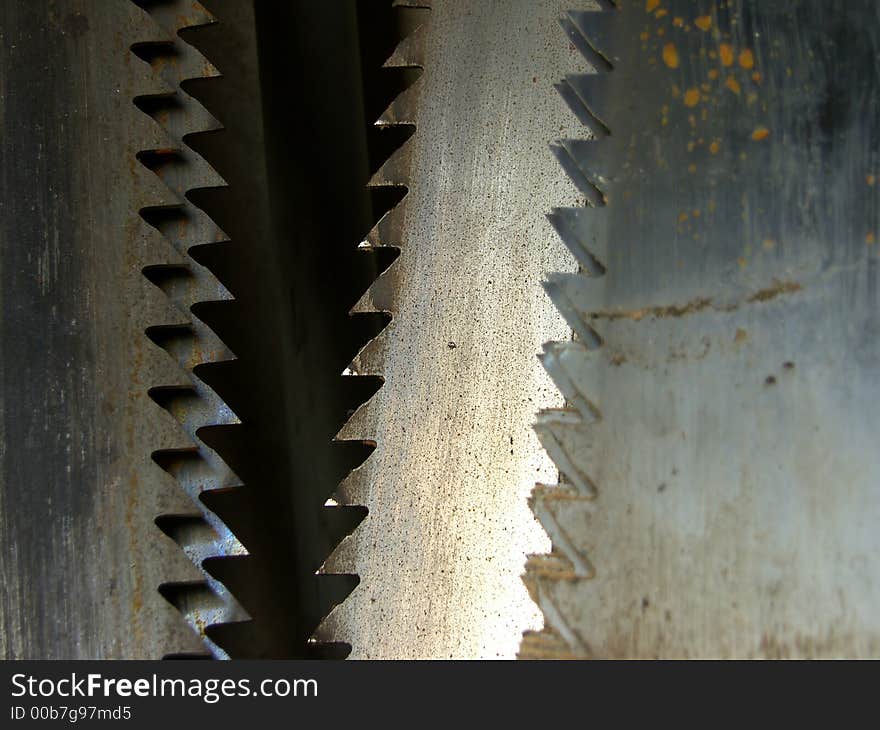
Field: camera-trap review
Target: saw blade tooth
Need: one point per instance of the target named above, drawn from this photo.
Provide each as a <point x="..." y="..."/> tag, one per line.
<point x="564" y="436"/>
<point x="386" y="232"/>
<point x="591" y="159"/>
<point x="545" y="503"/>
<point x="180" y="169"/>
<point x="593" y="194"/>
<point x="593" y="33"/>
<point x="395" y="170"/>
<point x="367" y="361"/>
<point x="558" y="360"/>
<point x="578" y="233"/>
<point x="172" y="17"/>
<point x="402" y="111"/>
<point x="573" y="296"/>
<point x="380" y="296"/>
<point x="184" y="285"/>
<point x="545" y="644"/>
<point x="593" y="92"/>
<point x="343" y="559"/>
<point x="172" y="62"/>
<point x="410" y="52"/>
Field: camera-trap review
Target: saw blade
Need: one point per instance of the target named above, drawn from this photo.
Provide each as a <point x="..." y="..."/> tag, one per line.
<point x="719" y="469"/>
<point x="448" y="527"/>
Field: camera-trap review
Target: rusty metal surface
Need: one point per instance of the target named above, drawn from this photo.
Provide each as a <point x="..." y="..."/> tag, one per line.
<point x="81" y="555"/>
<point x="721" y="473"/>
<point x="448" y="529"/>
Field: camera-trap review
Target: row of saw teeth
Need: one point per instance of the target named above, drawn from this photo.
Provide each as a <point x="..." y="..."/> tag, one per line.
<point x="563" y="432"/>
<point x="195" y="466"/>
<point x="391" y="179"/>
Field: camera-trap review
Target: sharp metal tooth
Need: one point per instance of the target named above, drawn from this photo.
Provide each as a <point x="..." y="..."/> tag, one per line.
<point x="591" y="158"/>
<point x="598" y="29"/>
<point x="410" y="52"/>
<point x="343" y="560"/>
<point x="403" y="109"/>
<point x="380" y="297"/>
<point x="174" y="17"/>
<point x="368" y="359"/>
<point x="593" y="194"/>
<point x="565" y="437"/>
<point x="193" y="405"/>
<point x="564" y="362"/>
<point x="394" y="170"/>
<point x="387" y="231"/>
<point x="576" y="297"/>
<point x="594" y="91"/>
<point x="577" y="229"/>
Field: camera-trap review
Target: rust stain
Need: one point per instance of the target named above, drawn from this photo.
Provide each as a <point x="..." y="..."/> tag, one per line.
<point x="651" y="5"/>
<point x="691" y="97"/>
<point x="704" y="22"/>
<point x="778" y="288"/>
<point x="725" y="51"/>
<point x="733" y="85"/>
<point x="760" y="134"/>
<point x="700" y="304"/>
<point x="670" y="55"/>
<point x="747" y="59"/>
<point x="741" y="336"/>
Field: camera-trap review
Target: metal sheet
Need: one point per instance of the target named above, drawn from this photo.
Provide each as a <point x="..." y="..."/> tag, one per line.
<point x="721" y="494"/>
<point x="440" y="554"/>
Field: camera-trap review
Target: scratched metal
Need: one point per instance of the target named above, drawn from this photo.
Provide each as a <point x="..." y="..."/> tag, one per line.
<point x="722" y="489"/>
<point x="81" y="555"/>
<point x="440" y="554"/>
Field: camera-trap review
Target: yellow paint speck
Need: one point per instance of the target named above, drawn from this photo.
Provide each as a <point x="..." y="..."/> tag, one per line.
<point x="713" y="74"/>
<point x="678" y="22"/>
<point x="714" y="147"/>
<point x="756" y="77"/>
<point x="670" y="55"/>
<point x="691" y="97"/>
<point x="661" y="13"/>
<point x="769" y="244"/>
<point x="692" y="169"/>
<point x="733" y="85"/>
<point x="747" y="59"/>
<point x="651" y="5"/>
<point x="704" y="22"/>
<point x="869" y="239"/>
<point x="760" y="133"/>
<point x="726" y="53"/>
<point x="871" y="180"/>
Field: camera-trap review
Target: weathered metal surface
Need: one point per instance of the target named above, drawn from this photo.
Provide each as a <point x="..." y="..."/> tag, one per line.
<point x="722" y="481"/>
<point x="448" y="529"/>
<point x="80" y="555"/>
